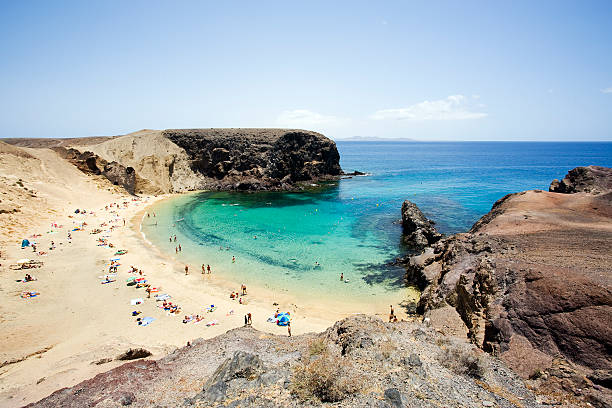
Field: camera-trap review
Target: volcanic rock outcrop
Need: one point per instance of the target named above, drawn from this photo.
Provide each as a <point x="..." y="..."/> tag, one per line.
<point x="254" y="159"/>
<point x="419" y="231"/>
<point x="591" y="179"/>
<point x="358" y="362"/>
<point x="178" y="160"/>
<point x="531" y="282"/>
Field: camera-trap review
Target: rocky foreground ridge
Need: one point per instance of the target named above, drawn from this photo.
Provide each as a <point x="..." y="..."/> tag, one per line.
<point x="176" y="160"/>
<point x="358" y="362"/>
<point x="531" y="282"/>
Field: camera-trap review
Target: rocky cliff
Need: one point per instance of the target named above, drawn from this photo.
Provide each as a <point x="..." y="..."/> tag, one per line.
<point x="531" y="283"/>
<point x="591" y="179"/>
<point x="222" y="159"/>
<point x="176" y="160"/>
<point x="358" y="362"/>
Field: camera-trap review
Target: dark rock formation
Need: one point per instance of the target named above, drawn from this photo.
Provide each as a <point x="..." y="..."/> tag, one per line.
<point x="419" y="231"/>
<point x="531" y="282"/>
<point x="91" y="163"/>
<point x="133" y="354"/>
<point x="241" y="366"/>
<point x="121" y="176"/>
<point x="257" y="159"/>
<point x="401" y="364"/>
<point x="591" y="179"/>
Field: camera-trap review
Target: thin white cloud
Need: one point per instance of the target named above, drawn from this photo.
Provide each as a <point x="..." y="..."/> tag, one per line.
<point x="607" y="90"/>
<point x="454" y="107"/>
<point x="304" y="118"/>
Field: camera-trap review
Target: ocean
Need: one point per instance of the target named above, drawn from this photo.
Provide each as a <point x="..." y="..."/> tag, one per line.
<point x="300" y="243"/>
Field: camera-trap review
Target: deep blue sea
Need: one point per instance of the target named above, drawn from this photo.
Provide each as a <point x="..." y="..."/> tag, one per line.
<point x="299" y="243"/>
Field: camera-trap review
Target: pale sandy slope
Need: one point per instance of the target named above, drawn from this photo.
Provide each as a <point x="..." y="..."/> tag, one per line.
<point x="53" y="339"/>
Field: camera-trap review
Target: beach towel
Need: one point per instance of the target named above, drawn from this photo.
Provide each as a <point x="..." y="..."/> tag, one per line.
<point x="145" y="321"/>
<point x="108" y="281"/>
<point x="212" y="323"/>
<point x="163" y="296"/>
<point x="136" y="301"/>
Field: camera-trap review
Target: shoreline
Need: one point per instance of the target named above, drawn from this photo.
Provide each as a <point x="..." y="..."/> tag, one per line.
<point x="75" y="312"/>
<point x="322" y="309"/>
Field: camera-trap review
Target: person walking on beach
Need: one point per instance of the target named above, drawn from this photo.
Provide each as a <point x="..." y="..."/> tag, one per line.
<point x="208" y="268"/>
<point x="249" y="321"/>
<point x="203" y="269"/>
<point x="186" y="270"/>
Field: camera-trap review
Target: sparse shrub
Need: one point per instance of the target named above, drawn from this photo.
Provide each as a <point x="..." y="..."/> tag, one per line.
<point x="316" y="347"/>
<point x="328" y="378"/>
<point x="462" y="361"/>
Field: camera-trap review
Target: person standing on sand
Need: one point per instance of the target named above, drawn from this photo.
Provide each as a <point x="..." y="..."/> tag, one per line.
<point x="391" y="314"/>
<point x="186" y="270"/>
<point x="249" y="321"/>
<point x="203" y="269"/>
<point x="208" y="268"/>
<point x="289" y="328"/>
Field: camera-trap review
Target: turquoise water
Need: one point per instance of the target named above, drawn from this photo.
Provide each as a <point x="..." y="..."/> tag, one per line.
<point x="300" y="243"/>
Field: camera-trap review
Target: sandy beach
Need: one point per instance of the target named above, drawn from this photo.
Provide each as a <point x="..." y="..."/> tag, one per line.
<point x="76" y="320"/>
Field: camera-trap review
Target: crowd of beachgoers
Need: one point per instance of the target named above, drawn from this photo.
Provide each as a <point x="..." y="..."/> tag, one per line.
<point x="116" y="272"/>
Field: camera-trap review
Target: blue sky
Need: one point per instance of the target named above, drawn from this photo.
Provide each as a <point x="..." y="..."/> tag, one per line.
<point x="468" y="70"/>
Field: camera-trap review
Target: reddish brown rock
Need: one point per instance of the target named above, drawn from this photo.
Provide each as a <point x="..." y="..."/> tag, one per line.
<point x="533" y="277"/>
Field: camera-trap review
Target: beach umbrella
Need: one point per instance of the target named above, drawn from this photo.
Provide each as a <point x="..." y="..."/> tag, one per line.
<point x="283" y="320"/>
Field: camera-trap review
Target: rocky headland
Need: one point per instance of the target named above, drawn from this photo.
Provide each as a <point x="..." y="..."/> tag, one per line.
<point x="178" y="160"/>
<point x="531" y="283"/>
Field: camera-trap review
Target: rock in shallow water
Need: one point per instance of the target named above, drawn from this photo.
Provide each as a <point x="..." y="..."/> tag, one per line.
<point x="419" y="231"/>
